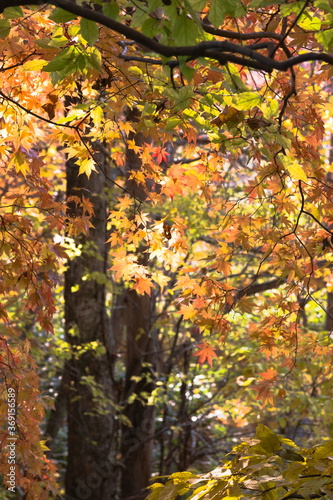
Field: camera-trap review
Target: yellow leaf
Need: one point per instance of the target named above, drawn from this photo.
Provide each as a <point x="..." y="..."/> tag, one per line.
<point x="189" y="312"/>
<point x="161" y="279"/>
<point x="97" y="115"/>
<point x="135" y="70"/>
<point x="34" y="65"/>
<point x="295" y="170"/>
<point x="87" y="166"/>
<point x="126" y="127"/>
<point x="19" y="162"/>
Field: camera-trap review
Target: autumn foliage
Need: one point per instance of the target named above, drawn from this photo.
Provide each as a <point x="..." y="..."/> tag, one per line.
<point x="218" y="168"/>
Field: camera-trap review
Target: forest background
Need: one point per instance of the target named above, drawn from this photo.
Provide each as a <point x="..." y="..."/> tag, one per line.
<point x="165" y="250"/>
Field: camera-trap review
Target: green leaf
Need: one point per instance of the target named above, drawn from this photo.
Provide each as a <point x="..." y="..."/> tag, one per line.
<point x="235" y="8"/>
<point x="62" y="60"/>
<point x="262" y="3"/>
<point x="185" y="30"/>
<point x="217" y="13"/>
<point x="61" y="16"/>
<point x="58" y="38"/>
<point x="324" y="5"/>
<point x="89" y="31"/>
<point x="44" y="43"/>
<point x="73" y="30"/>
<point x="291" y="8"/>
<point x="192" y="12"/>
<point x="246" y="100"/>
<point x="220" y="9"/>
<point x="111" y="9"/>
<point x="284" y="141"/>
<point x="94" y="58"/>
<point x="183" y="97"/>
<point x="290" y="455"/>
<point x="81" y="62"/>
<point x="153" y="5"/>
<point x="268" y="440"/>
<point x="4" y="28"/>
<point x="309" y="22"/>
<point x="149" y="27"/>
<point x="325" y="38"/>
<point x="172" y="123"/>
<point x="186" y="70"/>
<point x="13" y="13"/>
<point x="197" y="5"/>
<point x="270" y="108"/>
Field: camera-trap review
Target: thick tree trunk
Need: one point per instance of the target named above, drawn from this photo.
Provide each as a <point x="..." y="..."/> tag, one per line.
<point x="141" y="339"/>
<point x="90" y="414"/>
<point x="137" y="440"/>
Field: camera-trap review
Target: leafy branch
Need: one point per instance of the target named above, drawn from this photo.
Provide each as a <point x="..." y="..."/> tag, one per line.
<point x="221" y="51"/>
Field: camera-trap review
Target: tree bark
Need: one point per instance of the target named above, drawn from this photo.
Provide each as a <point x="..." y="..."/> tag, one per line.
<point x="137" y="442"/>
<point x="90" y="473"/>
<point x="141" y="357"/>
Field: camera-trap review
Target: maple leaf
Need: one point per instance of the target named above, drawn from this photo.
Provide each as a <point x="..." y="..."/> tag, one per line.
<point x="87" y="166"/>
<point x="160" y="154"/>
<point x="205" y="352"/>
<point x="87" y="206"/>
<point x="188" y="311"/>
<point x="127" y="127"/>
<point x="124" y="264"/>
<point x="143" y="285"/>
<point x="270" y="374"/>
<point x="124" y="202"/>
<point x="265" y="393"/>
<point x="19" y="162"/>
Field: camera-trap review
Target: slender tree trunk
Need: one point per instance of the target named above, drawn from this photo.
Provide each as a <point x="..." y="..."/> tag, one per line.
<point x="57" y="415"/>
<point x="329" y="308"/>
<point x="89" y="474"/>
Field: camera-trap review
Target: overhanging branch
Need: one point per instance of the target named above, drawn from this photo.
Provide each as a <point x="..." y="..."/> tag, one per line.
<point x="221" y="51"/>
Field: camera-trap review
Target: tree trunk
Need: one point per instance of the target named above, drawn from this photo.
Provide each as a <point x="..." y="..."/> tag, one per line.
<point x="329" y="308"/>
<point x="141" y="357"/>
<point x="90" y="413"/>
<point x="137" y="440"/>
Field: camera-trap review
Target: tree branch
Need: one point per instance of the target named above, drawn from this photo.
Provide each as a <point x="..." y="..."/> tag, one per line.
<point x="221" y="51"/>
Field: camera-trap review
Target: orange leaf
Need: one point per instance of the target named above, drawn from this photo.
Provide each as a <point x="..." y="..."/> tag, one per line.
<point x="270" y="374"/>
<point x="143" y="285"/>
<point x="205" y="352"/>
<point x="265" y="393"/>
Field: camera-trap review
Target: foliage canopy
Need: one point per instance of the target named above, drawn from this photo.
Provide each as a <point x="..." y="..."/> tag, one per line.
<point x="224" y="213"/>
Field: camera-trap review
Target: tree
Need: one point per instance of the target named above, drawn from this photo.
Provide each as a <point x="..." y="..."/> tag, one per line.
<point x="221" y="226"/>
<point x="89" y="371"/>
